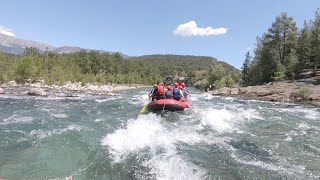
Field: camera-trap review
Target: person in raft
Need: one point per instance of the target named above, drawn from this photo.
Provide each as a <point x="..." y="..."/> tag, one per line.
<point x="184" y="90"/>
<point x="157" y="92"/>
<point x="169" y="92"/>
<point x="153" y="92"/>
<point x="176" y="92"/>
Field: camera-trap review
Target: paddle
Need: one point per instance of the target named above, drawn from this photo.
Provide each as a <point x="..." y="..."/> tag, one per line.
<point x="144" y="108"/>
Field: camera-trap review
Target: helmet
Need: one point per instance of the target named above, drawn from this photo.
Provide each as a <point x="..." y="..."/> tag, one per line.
<point x="176" y="85"/>
<point x="169" y="88"/>
<point x="161" y="84"/>
<point x="180" y="87"/>
<point x="155" y="86"/>
<point x="183" y="85"/>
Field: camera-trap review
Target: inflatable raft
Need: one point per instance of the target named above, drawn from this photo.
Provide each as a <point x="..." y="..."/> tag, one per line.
<point x="168" y="104"/>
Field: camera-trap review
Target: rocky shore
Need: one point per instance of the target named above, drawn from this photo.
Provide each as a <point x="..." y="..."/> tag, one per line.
<point x="285" y="91"/>
<point x="69" y="89"/>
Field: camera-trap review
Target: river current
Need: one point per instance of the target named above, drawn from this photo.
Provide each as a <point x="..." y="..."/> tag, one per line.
<point x="99" y="137"/>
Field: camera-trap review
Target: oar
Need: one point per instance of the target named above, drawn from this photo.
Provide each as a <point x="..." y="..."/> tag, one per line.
<point x="144" y="108"/>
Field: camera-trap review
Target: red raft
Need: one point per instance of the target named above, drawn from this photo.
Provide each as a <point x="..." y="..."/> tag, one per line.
<point x="168" y="104"/>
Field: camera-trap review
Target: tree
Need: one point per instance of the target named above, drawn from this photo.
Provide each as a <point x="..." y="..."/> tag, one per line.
<point x="303" y="50"/>
<point x="283" y="36"/>
<point x="315" y="42"/>
<point x="245" y="69"/>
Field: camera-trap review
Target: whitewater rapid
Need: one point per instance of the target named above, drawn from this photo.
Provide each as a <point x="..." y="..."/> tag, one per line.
<point x="95" y="137"/>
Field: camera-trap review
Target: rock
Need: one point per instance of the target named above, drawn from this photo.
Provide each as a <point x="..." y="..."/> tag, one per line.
<point x="72" y="86"/>
<point x="12" y="83"/>
<point x="36" y="92"/>
<point x="111" y="94"/>
<point x="28" y="81"/>
<point x="224" y="91"/>
<point x="36" y="85"/>
<point x="246" y="90"/>
<point x="42" y="82"/>
<point x="1" y="91"/>
<point x="234" y="91"/>
<point x="215" y="92"/>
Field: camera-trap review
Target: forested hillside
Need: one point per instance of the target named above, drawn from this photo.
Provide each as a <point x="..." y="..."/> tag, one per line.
<point x="100" y="67"/>
<point x="284" y="51"/>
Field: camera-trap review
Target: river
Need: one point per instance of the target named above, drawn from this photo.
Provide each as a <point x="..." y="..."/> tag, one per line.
<point x="97" y="137"/>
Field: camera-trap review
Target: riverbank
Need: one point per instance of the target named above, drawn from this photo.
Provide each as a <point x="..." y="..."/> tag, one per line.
<point x="302" y="92"/>
<point x="69" y="89"/>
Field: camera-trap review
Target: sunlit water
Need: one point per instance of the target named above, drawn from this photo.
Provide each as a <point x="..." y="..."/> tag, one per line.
<point x="96" y="137"/>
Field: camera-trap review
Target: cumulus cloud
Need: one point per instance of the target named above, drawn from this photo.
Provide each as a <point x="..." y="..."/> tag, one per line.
<point x="6" y="31"/>
<point x="191" y="29"/>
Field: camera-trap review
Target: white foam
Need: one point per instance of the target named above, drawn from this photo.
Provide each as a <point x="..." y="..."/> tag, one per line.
<point x="60" y="115"/>
<point x="149" y="132"/>
<point x="225" y="121"/>
<point x="140" y="133"/>
<point x="173" y="166"/>
<point x="17" y="119"/>
<point x="219" y="120"/>
<point x="107" y="99"/>
<point x="41" y="134"/>
<point x="306" y="113"/>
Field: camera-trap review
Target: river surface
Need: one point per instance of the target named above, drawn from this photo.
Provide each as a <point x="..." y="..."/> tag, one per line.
<point x="97" y="137"/>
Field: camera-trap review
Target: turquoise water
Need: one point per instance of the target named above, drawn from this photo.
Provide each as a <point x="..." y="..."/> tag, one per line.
<point x="97" y="137"/>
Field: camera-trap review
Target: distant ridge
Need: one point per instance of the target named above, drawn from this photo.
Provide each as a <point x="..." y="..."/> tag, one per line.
<point x="12" y="45"/>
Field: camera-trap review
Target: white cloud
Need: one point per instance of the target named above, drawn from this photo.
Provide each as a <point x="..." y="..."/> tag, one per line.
<point x="191" y="29"/>
<point x="6" y="31"/>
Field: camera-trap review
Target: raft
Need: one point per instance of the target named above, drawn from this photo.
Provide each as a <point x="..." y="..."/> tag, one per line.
<point x="168" y="104"/>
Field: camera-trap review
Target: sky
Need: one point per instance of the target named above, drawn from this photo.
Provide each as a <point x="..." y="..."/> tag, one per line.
<point x="224" y="29"/>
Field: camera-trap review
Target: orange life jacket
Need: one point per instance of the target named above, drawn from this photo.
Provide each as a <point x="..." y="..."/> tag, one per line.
<point x="160" y="90"/>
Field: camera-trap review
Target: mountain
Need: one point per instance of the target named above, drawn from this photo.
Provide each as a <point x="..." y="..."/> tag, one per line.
<point x="12" y="45"/>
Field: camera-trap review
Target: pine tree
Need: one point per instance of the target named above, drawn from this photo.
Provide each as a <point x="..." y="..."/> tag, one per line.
<point x="315" y="42"/>
<point x="245" y="69"/>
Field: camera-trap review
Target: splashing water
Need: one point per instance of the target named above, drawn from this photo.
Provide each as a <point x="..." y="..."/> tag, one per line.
<point x="96" y="137"/>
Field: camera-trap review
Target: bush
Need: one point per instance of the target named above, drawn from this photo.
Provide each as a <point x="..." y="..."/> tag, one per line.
<point x="305" y="93"/>
<point x="202" y="84"/>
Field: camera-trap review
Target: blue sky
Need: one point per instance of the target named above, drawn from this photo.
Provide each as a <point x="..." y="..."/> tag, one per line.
<point x="221" y="29"/>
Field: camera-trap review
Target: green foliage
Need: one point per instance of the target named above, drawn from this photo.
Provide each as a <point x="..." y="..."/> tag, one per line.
<point x="94" y="66"/>
<point x="202" y="84"/>
<point x="282" y="52"/>
<point x="305" y="93"/>
<point x="280" y="73"/>
<point x="315" y="41"/>
<point x="245" y="69"/>
<point x="26" y="69"/>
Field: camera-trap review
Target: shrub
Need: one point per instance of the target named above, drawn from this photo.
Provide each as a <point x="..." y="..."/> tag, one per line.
<point x="305" y="93"/>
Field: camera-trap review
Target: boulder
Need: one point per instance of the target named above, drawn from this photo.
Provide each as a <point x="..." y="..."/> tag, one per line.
<point x="36" y="85"/>
<point x="224" y="91"/>
<point x="215" y="92"/>
<point x="234" y="91"/>
<point x="37" y="92"/>
<point x="12" y="83"/>
<point x="1" y="91"/>
<point x="246" y="90"/>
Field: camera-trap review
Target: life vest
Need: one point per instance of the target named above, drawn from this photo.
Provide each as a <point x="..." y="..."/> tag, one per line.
<point x="176" y="93"/>
<point x="168" y="94"/>
<point x="160" y="90"/>
<point x="184" y="92"/>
